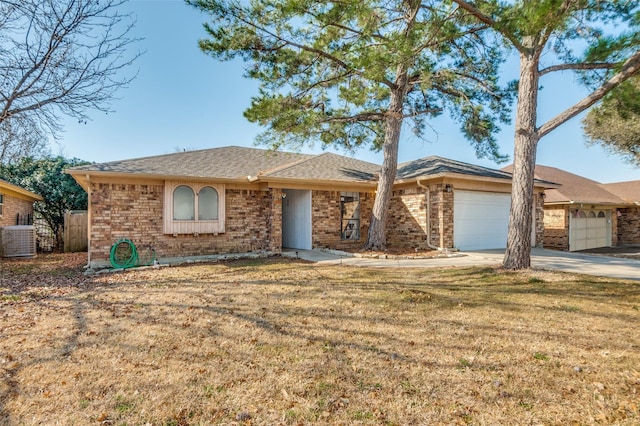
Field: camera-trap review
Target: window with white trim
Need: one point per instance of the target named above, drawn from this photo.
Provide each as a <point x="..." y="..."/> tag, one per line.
<point x="1" y="203"/>
<point x="193" y="208"/>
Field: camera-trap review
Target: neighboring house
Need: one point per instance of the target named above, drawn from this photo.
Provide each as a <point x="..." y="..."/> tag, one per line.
<point x="582" y="214"/>
<point x="628" y="231"/>
<point x="234" y="199"/>
<point x="16" y="204"/>
<point x="17" y="235"/>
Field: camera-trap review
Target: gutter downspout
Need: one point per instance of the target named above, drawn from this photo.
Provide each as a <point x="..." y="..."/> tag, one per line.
<point x="428" y="202"/>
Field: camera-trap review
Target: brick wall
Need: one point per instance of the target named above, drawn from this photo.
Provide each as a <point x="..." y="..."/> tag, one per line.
<point x="407" y="222"/>
<point x="407" y="226"/>
<point x="539" y="223"/>
<point x="11" y="207"/>
<point x="556" y="227"/>
<point x="135" y="211"/>
<point x="326" y="220"/>
<point x="628" y="226"/>
<point x="441" y="216"/>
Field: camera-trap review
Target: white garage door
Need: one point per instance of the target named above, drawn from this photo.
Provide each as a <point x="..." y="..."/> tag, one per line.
<point x="480" y="220"/>
<point x="589" y="229"/>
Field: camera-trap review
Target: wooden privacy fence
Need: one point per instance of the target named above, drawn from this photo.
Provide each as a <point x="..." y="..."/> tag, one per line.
<point x="75" y="231"/>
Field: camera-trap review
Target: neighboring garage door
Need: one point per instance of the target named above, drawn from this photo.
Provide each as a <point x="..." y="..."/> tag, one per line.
<point x="589" y="229"/>
<point x="480" y="220"/>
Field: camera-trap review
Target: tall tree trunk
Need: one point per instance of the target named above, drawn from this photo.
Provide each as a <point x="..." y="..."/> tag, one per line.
<point x="518" y="252"/>
<point x="377" y="238"/>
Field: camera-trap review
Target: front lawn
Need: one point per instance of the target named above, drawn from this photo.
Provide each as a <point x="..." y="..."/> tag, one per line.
<point x="268" y="342"/>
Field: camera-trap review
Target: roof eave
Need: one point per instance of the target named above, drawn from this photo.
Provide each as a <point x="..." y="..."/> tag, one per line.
<point x="15" y="190"/>
<point x="462" y="176"/>
<point x="152" y="176"/>
<point x="279" y="181"/>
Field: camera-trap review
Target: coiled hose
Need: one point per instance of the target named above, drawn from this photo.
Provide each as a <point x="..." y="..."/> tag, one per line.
<point x="125" y="255"/>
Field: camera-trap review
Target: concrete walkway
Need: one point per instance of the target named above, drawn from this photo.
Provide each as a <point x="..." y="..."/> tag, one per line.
<point x="604" y="266"/>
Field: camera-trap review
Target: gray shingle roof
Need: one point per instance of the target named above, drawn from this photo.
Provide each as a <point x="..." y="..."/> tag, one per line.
<point x="435" y="165"/>
<point x="231" y="162"/>
<point x="329" y="166"/>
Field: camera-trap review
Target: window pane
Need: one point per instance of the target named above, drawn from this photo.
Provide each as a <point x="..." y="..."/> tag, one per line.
<point x="183" y="203"/>
<point x="350" y="215"/>
<point x="208" y="204"/>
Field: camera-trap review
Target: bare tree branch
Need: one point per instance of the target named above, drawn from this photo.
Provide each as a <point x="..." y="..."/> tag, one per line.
<point x="629" y="69"/>
<point x="60" y="57"/>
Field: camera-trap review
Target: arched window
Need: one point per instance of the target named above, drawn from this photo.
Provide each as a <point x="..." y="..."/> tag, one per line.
<point x="582" y="214"/>
<point x="194" y="208"/>
<point x="208" y="204"/>
<point x="592" y="214"/>
<point x="601" y="214"/>
<point x="183" y="203"/>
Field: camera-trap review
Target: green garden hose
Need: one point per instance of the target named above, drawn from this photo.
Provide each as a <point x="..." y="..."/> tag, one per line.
<point x="123" y="254"/>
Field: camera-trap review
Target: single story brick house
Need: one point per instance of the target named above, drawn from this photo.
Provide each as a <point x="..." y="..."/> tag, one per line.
<point x="17" y="234"/>
<point x="582" y="214"/>
<point x="235" y="200"/>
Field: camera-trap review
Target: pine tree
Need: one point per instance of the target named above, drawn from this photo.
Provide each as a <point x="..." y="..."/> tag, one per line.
<point x="353" y="74"/>
<point x="556" y="30"/>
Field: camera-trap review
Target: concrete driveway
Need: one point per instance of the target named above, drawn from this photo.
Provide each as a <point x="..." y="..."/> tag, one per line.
<point x="581" y="263"/>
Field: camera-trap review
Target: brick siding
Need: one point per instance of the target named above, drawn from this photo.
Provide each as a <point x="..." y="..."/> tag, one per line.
<point x="539" y="223"/>
<point x="12" y="207"/>
<point x="628" y="226"/>
<point x="254" y="221"/>
<point x="135" y="212"/>
<point x="407" y="222"/>
<point x="326" y="220"/>
<point x="556" y="227"/>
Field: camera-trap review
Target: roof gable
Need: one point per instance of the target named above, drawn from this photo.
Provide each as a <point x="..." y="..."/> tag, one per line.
<point x="434" y="165"/>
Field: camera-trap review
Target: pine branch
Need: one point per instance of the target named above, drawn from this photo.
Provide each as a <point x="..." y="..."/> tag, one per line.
<point x="577" y="67"/>
<point x="490" y="22"/>
<point x="630" y="68"/>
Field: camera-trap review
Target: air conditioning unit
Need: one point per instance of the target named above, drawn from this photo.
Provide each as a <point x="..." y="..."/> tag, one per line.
<point x="19" y="240"/>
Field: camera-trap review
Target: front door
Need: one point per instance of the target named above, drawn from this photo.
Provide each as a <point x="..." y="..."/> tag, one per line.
<point x="296" y="219"/>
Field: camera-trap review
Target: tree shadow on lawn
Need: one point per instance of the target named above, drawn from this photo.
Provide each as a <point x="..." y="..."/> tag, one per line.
<point x="403" y="319"/>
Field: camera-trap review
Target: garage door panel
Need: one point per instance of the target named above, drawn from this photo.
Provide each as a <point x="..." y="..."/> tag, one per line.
<point x="481" y="220"/>
<point x="589" y="229"/>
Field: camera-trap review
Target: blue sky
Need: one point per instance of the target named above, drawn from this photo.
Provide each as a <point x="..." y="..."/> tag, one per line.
<point x="184" y="99"/>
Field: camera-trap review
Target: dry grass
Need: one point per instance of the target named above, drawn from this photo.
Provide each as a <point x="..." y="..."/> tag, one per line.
<point x="283" y="342"/>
